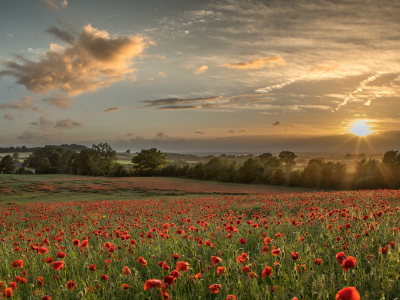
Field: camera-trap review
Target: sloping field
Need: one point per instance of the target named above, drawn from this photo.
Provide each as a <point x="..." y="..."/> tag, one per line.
<point x="48" y="188"/>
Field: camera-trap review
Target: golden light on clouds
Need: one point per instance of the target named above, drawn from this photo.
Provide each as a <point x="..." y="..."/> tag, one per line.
<point x="360" y="129"/>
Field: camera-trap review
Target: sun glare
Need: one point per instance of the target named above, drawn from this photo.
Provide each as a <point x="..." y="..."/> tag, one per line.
<point x="360" y="129"/>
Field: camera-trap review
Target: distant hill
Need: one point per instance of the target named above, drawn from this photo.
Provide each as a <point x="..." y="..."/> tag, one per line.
<point x="18" y="149"/>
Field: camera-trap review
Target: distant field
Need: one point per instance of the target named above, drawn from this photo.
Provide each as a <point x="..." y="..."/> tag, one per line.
<point x="61" y="188"/>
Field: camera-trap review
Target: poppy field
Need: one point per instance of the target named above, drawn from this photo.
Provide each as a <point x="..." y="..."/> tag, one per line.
<point x="324" y="245"/>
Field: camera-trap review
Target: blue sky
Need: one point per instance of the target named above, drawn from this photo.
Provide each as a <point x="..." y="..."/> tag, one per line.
<point x="187" y="75"/>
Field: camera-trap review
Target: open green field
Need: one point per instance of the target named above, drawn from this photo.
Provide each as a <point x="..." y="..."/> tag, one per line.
<point x="16" y="188"/>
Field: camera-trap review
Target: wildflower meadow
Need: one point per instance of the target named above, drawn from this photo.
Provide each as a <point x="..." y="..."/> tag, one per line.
<point x="324" y="245"/>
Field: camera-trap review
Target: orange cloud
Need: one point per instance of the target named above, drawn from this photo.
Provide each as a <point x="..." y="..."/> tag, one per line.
<point x="23" y="104"/>
<point x="257" y="63"/>
<point x="8" y="117"/>
<point x="95" y="60"/>
<point x="67" y="124"/>
<point x="200" y="70"/>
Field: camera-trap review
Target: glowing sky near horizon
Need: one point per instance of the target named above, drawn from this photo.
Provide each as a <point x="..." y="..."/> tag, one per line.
<point x="137" y="73"/>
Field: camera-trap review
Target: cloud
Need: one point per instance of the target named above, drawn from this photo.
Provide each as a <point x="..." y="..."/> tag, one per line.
<point x="8" y="117"/>
<point x="95" y="60"/>
<point x="161" y="135"/>
<point x="199" y="132"/>
<point x="257" y="63"/>
<point x="31" y="136"/>
<point x="9" y="34"/>
<point x="62" y="35"/>
<point x="242" y="130"/>
<point x="111" y="109"/>
<point x="23" y="104"/>
<point x="324" y="69"/>
<point x="231" y="131"/>
<point x="200" y="70"/>
<point x="67" y="124"/>
<point x="171" y="101"/>
<point x="60" y="102"/>
<point x="277" y="123"/>
<point x="86" y="113"/>
<point x="64" y="3"/>
<point x="50" y="5"/>
<point x="161" y="74"/>
<point x="180" y="107"/>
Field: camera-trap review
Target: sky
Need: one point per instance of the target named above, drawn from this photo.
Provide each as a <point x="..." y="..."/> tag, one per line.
<point x="201" y="76"/>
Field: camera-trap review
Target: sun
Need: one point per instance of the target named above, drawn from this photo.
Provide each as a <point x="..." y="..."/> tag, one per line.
<point x="360" y="129"/>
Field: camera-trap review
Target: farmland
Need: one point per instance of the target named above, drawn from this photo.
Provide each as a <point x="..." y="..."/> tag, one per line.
<point x="193" y="239"/>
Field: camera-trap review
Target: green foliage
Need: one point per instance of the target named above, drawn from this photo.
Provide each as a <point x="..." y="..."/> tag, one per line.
<point x="7" y="165"/>
<point x="288" y="159"/>
<point x="150" y="160"/>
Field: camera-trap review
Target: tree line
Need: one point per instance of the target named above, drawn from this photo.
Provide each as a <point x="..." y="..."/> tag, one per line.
<point x="100" y="160"/>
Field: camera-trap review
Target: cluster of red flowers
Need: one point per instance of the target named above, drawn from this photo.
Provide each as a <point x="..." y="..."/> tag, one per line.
<point x="213" y="244"/>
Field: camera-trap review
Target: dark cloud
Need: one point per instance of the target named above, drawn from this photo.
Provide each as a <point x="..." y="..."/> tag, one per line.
<point x="231" y="131"/>
<point x="179" y="107"/>
<point x="67" y="124"/>
<point x="161" y="135"/>
<point x="60" y="102"/>
<point x="8" y="117"/>
<point x="242" y="130"/>
<point x="111" y="109"/>
<point x="43" y="122"/>
<point x="171" y="101"/>
<point x="277" y="123"/>
<point x="95" y="60"/>
<point x="62" y="35"/>
<point x="199" y="132"/>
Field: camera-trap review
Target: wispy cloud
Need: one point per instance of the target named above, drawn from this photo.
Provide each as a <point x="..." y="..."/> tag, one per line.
<point x="161" y="74"/>
<point x="60" y="102"/>
<point x="257" y="63"/>
<point x="22" y="104"/>
<point x="67" y="124"/>
<point x="171" y="101"/>
<point x="8" y="117"/>
<point x="200" y="70"/>
<point x="111" y="109"/>
<point x="50" y="5"/>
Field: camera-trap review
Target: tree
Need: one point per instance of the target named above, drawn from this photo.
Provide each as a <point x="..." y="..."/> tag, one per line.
<point x="150" y="160"/>
<point x="288" y="159"/>
<point x="265" y="156"/>
<point x="128" y="151"/>
<point x="273" y="162"/>
<point x="7" y="165"/>
<point x="15" y="155"/>
<point x="361" y="156"/>
<point x="102" y="159"/>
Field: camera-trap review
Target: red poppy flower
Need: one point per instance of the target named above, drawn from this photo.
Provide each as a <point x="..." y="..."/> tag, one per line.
<point x="61" y="254"/>
<point x="40" y="281"/>
<point x="242" y="241"/>
<point x="214" y="288"/>
<point x="125" y="286"/>
<point x="151" y="283"/>
<point x="340" y="257"/>
<point x="17" y="263"/>
<point x="253" y="275"/>
<point x="215" y="260"/>
<point x="267" y="240"/>
<point x="276" y="252"/>
<point x="221" y="270"/>
<point x="348" y="263"/>
<point x="246" y="269"/>
<point x="349" y="293"/>
<point x="76" y="242"/>
<point x="84" y="244"/>
<point x="126" y="271"/>
<point x="142" y="261"/>
<point x="70" y="285"/>
<point x="13" y="285"/>
<point x="7" y="293"/>
<point x="295" y="255"/>
<point x="57" y="265"/>
<point x="92" y="267"/>
<point x="230" y="297"/>
<point x="169" y="280"/>
<point x="266" y="272"/>
<point x="104" y="277"/>
<point x="47" y="297"/>
<point x="242" y="258"/>
<point x="182" y="266"/>
<point x="318" y="261"/>
<point x="176" y="256"/>
<point x="175" y="274"/>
